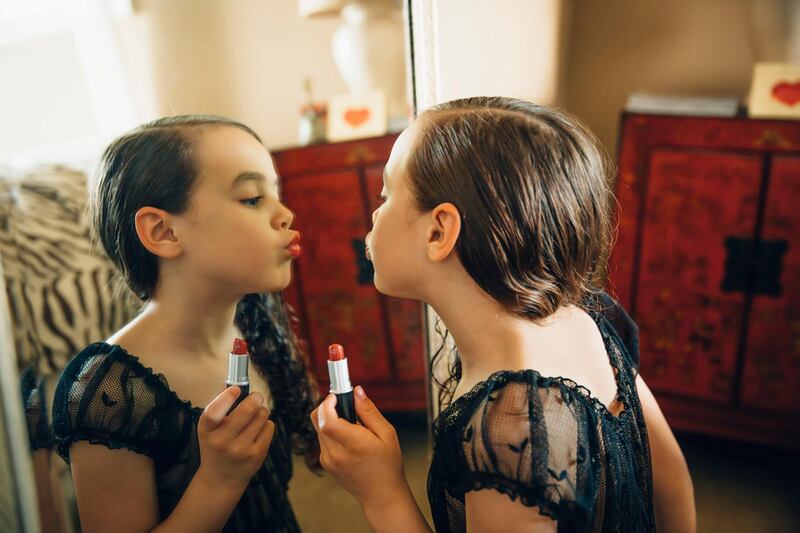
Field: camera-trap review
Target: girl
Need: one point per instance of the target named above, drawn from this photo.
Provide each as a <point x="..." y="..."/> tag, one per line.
<point x="497" y="214"/>
<point x="187" y="208"/>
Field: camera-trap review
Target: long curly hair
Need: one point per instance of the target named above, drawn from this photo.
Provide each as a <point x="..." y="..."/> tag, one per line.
<point x="267" y="321"/>
<point x="153" y="166"/>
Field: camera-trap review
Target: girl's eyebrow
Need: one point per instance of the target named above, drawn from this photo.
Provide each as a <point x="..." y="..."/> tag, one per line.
<point x="248" y="176"/>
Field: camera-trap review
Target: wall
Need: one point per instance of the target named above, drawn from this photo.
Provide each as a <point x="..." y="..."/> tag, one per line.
<point x="246" y="59"/>
<point x="590" y="55"/>
<point x="243" y="58"/>
<point x="683" y="47"/>
<point x="512" y="48"/>
<point x="33" y="111"/>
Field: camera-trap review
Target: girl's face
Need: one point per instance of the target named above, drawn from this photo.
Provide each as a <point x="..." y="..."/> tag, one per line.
<point x="396" y="244"/>
<point x="236" y="232"/>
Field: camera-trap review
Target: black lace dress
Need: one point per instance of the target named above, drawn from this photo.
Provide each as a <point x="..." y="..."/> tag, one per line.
<point x="547" y="442"/>
<point x="106" y="396"/>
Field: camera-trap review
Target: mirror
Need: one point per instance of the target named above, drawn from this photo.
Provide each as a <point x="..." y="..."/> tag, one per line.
<point x="18" y="505"/>
<point x="86" y="72"/>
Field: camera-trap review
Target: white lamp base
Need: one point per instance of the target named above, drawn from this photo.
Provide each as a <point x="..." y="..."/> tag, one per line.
<point x="369" y="51"/>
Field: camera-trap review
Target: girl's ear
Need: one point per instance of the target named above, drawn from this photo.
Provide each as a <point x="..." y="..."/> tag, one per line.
<point x="155" y="231"/>
<point x="443" y="232"/>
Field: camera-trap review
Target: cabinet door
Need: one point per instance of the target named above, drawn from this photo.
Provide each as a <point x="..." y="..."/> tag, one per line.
<point x="697" y="205"/>
<point x="404" y="316"/>
<point x="293" y="297"/>
<point x="340" y="303"/>
<point x="771" y="377"/>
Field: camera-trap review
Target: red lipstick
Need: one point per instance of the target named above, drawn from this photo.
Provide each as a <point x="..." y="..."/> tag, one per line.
<point x="238" y="371"/>
<point x="340" y="383"/>
<point x="295" y="250"/>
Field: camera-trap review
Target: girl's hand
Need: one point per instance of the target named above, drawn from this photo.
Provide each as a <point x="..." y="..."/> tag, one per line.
<point x="366" y="460"/>
<point x="233" y="447"/>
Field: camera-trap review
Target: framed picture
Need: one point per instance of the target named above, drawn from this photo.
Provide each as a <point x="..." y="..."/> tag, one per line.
<point x="775" y="91"/>
<point x="356" y="117"/>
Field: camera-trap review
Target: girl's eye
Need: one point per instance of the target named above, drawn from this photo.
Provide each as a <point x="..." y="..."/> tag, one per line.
<point x="252" y="202"/>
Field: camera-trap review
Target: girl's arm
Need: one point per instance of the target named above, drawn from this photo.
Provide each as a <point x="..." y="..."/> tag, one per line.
<point x="46" y="494"/>
<point x="367" y="461"/>
<point x="116" y="489"/>
<point x="673" y="493"/>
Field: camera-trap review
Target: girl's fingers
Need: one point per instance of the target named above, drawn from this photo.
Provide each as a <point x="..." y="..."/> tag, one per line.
<point x="264" y="438"/>
<point x="371" y="417"/>
<point x="322" y="418"/>
<point x="326" y="411"/>
<point x="214" y="413"/>
<point x="241" y="416"/>
<point x="328" y="424"/>
<point x="250" y="433"/>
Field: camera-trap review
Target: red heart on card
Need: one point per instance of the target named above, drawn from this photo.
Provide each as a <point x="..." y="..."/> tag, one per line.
<point x="788" y="93"/>
<point x="356" y="117"/>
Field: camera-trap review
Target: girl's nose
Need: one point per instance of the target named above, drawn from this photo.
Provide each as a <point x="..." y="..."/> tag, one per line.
<point x="285" y="218"/>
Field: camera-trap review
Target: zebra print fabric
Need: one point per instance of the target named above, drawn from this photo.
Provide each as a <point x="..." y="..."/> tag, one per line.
<point x="63" y="295"/>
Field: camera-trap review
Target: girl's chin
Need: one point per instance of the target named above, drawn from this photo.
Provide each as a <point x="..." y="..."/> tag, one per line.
<point x="276" y="282"/>
<point x="385" y="288"/>
<point x="276" y="287"/>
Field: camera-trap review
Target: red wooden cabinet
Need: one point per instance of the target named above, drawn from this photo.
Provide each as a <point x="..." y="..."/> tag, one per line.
<point x="707" y="261"/>
<point x="333" y="190"/>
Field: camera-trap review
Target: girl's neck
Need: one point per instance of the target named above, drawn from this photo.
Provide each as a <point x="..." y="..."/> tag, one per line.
<point x="191" y="320"/>
<point x="489" y="338"/>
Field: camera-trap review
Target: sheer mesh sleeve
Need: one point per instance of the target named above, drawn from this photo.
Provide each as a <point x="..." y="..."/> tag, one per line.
<point x="105" y="396"/>
<point x="40" y="434"/>
<point x="530" y="442"/>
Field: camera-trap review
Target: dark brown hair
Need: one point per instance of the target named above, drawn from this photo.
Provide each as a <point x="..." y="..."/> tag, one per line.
<point x="154" y="165"/>
<point x="531" y="185"/>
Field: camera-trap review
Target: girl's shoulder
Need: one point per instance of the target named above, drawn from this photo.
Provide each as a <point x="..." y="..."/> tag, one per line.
<point x="97" y="359"/>
<point x="105" y="395"/>
<point x="522" y="434"/>
<point x="520" y="395"/>
<point x="101" y="365"/>
<point x="540" y="439"/>
<point x="529" y="391"/>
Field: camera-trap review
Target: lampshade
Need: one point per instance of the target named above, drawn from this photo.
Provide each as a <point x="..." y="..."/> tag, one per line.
<point x="319" y="8"/>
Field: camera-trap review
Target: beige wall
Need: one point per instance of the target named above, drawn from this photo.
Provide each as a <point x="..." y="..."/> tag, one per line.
<point x="499" y="48"/>
<point x="689" y="47"/>
<point x="245" y="59"/>
<point x="51" y="104"/>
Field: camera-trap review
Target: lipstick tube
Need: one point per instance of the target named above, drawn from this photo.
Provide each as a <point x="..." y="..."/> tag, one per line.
<point x="238" y="371"/>
<point x="340" y="383"/>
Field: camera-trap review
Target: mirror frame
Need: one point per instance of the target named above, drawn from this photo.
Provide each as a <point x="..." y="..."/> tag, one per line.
<point x="12" y="422"/>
